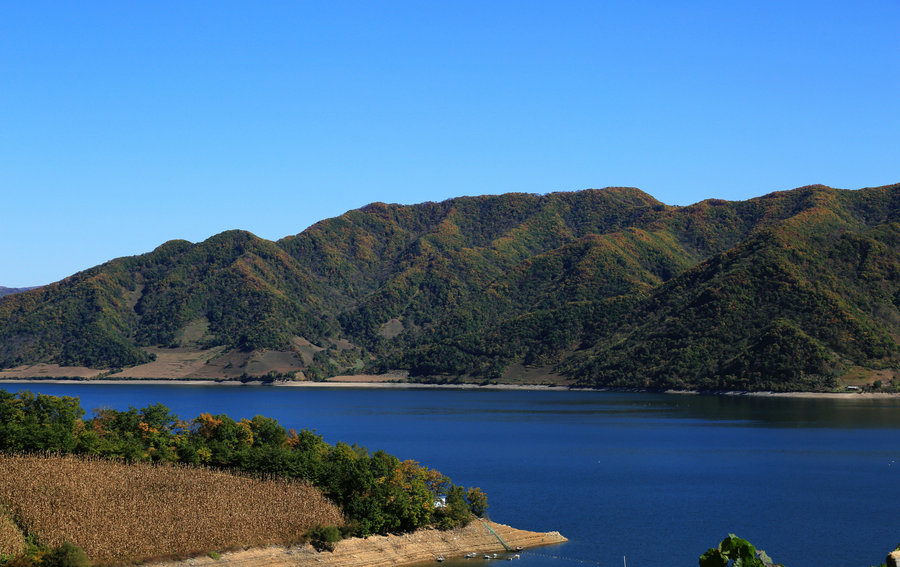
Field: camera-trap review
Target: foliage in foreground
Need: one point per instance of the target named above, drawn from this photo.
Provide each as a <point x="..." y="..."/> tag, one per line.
<point x="736" y="552"/>
<point x="376" y="492"/>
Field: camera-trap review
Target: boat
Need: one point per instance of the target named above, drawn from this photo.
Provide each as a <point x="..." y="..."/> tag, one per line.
<point x="440" y="558"/>
<point x="471" y="555"/>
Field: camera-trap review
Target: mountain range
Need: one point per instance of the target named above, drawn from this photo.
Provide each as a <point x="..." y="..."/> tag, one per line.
<point x="794" y="290"/>
<point x="12" y="290"/>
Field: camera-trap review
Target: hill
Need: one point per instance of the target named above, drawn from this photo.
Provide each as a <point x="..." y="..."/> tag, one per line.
<point x="793" y="290"/>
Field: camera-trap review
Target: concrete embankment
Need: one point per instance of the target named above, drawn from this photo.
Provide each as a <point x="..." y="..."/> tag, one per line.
<point x="384" y="551"/>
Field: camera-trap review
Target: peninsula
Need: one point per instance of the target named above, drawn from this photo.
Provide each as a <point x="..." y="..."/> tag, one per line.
<point x="95" y="488"/>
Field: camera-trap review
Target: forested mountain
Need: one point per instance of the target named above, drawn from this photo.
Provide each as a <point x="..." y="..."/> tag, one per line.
<point x="609" y="287"/>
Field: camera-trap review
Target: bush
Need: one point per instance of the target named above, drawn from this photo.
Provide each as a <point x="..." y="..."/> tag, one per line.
<point x="21" y="561"/>
<point x="323" y="538"/>
<point x="735" y="552"/>
<point x="66" y="555"/>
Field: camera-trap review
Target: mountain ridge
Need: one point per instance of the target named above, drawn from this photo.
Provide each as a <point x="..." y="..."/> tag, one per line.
<point x="610" y="287"/>
<point x="11" y="290"/>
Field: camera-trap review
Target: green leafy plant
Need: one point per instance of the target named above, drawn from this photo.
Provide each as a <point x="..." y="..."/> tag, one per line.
<point x="324" y="538"/>
<point x="66" y="555"/>
<point x="735" y="552"/>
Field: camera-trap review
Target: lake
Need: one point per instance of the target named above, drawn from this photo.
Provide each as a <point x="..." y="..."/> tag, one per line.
<point x="655" y="478"/>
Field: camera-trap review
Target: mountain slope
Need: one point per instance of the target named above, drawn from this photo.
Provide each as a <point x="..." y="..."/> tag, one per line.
<point x="785" y="291"/>
<point x="244" y="291"/>
<point x="751" y="319"/>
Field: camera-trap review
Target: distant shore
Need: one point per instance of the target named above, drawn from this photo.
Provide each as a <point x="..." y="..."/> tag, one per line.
<point x="822" y="395"/>
<point x="361" y="382"/>
<point x="286" y="384"/>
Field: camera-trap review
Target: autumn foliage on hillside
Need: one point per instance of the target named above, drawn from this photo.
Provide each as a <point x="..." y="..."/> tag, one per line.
<point x="789" y="291"/>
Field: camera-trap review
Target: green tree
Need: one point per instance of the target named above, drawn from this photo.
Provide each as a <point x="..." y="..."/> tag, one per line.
<point x="735" y="552"/>
<point x="37" y="422"/>
<point x="477" y="500"/>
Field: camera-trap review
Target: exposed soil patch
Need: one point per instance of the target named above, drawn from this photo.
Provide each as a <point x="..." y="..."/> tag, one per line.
<point x="305" y="349"/>
<point x="49" y="371"/>
<point x="395" y="376"/>
<point x="261" y="363"/>
<point x="391" y="329"/>
<point x="531" y="375"/>
<point x="385" y="551"/>
<point x="171" y="363"/>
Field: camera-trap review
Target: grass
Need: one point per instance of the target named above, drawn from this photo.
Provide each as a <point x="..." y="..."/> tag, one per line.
<point x="133" y="512"/>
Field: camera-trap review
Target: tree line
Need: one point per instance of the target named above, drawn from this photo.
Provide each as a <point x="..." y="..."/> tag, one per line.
<point x="378" y="493"/>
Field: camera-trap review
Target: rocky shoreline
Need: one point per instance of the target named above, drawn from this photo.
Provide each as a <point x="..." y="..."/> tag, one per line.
<point x="385" y="551"/>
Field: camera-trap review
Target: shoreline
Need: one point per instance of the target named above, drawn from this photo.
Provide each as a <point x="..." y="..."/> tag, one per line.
<point x="401" y="385"/>
<point x="809" y="395"/>
<point x="299" y="384"/>
<point x="423" y="546"/>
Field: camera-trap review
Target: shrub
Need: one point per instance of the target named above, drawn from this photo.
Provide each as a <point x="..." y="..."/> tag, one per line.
<point x="66" y="555"/>
<point x="22" y="561"/>
<point x="735" y="552"/>
<point x="324" y="538"/>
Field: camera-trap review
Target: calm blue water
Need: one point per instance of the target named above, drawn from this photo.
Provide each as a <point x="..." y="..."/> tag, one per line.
<point x="656" y="478"/>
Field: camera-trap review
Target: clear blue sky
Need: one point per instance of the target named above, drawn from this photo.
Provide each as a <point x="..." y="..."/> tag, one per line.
<point x="126" y="124"/>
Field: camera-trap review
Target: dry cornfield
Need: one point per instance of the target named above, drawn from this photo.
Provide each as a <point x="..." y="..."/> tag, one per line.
<point x="130" y="512"/>
<point x="12" y="541"/>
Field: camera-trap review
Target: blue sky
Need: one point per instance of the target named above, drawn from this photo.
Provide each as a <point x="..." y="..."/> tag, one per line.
<point x="127" y="124"/>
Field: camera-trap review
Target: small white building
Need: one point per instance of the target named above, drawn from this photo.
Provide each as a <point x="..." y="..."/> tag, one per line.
<point x="440" y="502"/>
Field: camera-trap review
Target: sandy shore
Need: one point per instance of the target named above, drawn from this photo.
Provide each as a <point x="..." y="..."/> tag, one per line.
<point x="826" y="395"/>
<point x="384" y="551"/>
<point x="819" y="395"/>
